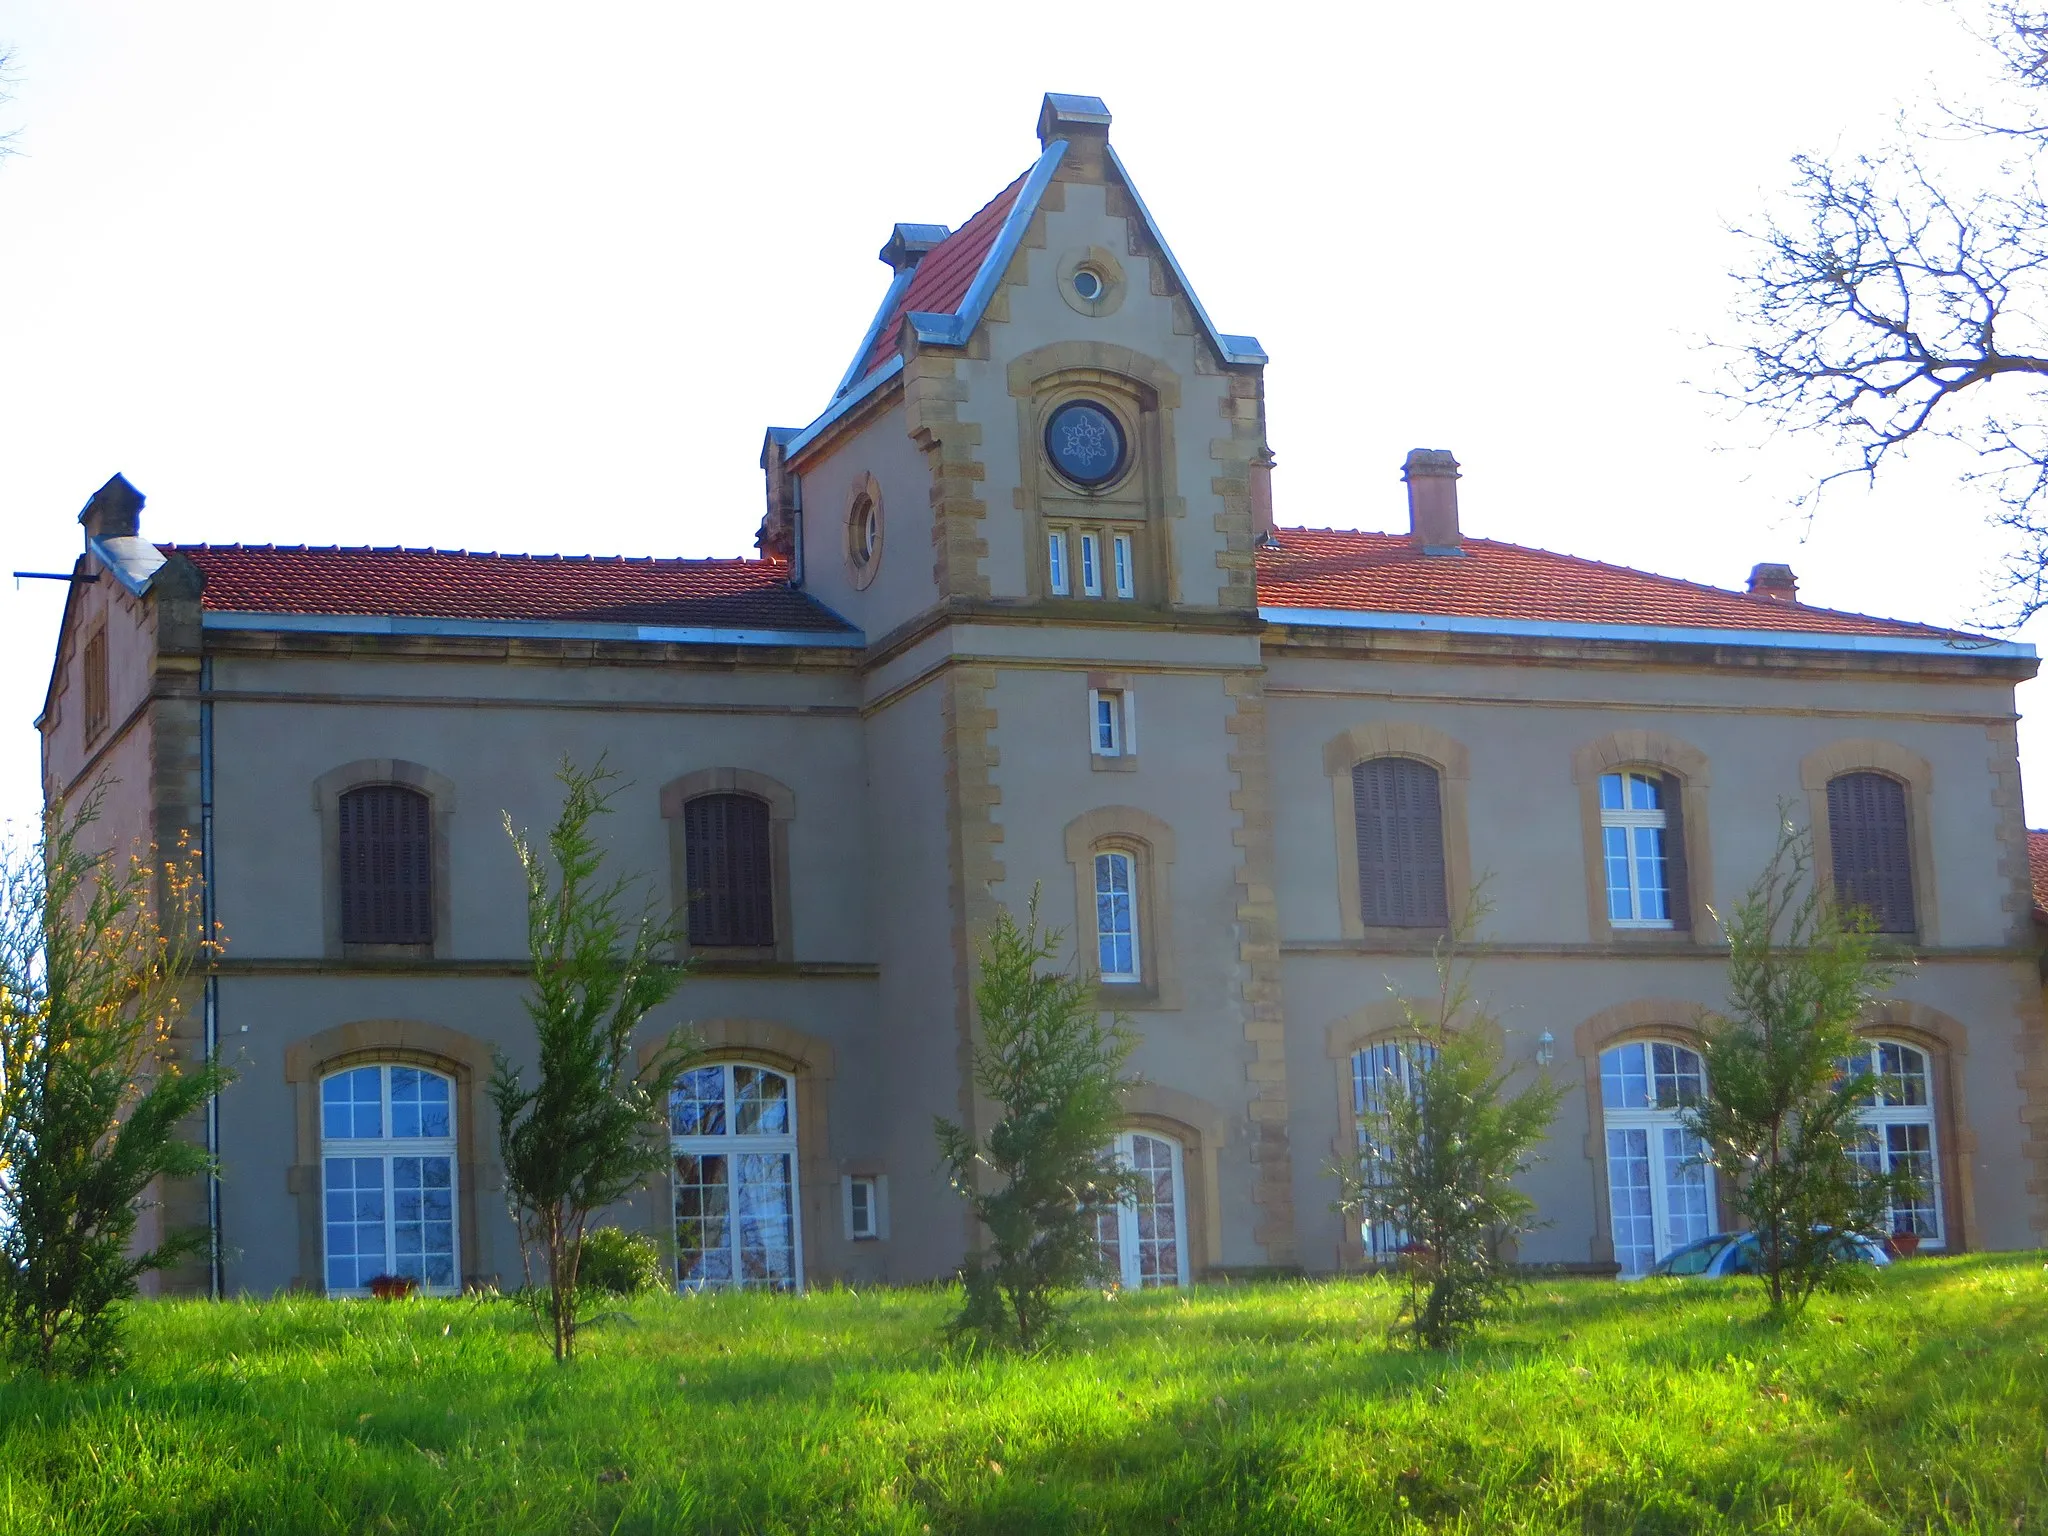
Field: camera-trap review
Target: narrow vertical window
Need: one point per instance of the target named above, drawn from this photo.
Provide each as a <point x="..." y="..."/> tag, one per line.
<point x="1056" y="561"/>
<point x="1897" y="1135"/>
<point x="1120" y="549"/>
<point x="1660" y="1189"/>
<point x="1091" y="565"/>
<point x="1106" y="723"/>
<point x="732" y="1133"/>
<point x="1873" y="860"/>
<point x="729" y="867"/>
<point x="1379" y="1074"/>
<point x="1116" y="917"/>
<point x="97" y="706"/>
<point x="1637" y="846"/>
<point x="861" y="1210"/>
<point x="1143" y="1243"/>
<point x="1397" y="804"/>
<point x="387" y="1170"/>
<point x="385" y="835"/>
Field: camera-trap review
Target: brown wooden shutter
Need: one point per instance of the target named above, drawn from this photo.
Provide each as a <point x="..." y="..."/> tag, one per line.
<point x="730" y="871"/>
<point x="1677" y="871"/>
<point x="387" y="880"/>
<point x="1398" y="806"/>
<point x="1873" y="856"/>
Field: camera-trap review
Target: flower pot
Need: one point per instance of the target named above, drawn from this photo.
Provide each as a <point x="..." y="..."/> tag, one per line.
<point x="1902" y="1245"/>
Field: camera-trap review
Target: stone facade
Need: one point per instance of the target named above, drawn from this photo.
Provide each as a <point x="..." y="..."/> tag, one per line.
<point x="942" y="767"/>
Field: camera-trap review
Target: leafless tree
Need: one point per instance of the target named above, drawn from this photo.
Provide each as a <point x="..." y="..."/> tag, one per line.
<point x="1901" y="296"/>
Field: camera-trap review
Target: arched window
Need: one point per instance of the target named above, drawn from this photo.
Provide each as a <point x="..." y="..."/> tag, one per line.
<point x="1660" y="1190"/>
<point x="1116" y="917"/>
<point x="387" y="1163"/>
<point x="732" y="1130"/>
<point x="1398" y="806"/>
<point x="1379" y="1072"/>
<point x="386" y="857"/>
<point x="1145" y="1242"/>
<point x="1872" y="852"/>
<point x="729" y="872"/>
<point x="1898" y="1134"/>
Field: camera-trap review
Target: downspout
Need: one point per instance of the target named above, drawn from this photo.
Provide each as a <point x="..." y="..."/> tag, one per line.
<point x="210" y="1008"/>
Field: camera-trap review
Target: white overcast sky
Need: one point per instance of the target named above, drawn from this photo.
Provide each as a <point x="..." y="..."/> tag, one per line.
<point x="527" y="277"/>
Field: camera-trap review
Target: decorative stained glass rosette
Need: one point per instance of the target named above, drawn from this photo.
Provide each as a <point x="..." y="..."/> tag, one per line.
<point x="1085" y="443"/>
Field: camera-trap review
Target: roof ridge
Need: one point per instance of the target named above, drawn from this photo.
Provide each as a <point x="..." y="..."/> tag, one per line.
<point x="1685" y="582"/>
<point x="170" y="546"/>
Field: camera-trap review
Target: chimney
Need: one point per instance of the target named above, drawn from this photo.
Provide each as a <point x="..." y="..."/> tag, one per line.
<point x="1432" y="476"/>
<point x="911" y="243"/>
<point x="1262" y="497"/>
<point x="780" y="531"/>
<point x="1775" y="582"/>
<point x="1083" y="121"/>
<point x="115" y="511"/>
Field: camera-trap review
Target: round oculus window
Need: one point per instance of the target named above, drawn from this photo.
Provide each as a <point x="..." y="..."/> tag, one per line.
<point x="1085" y="443"/>
<point x="864" y="532"/>
<point x="1088" y="284"/>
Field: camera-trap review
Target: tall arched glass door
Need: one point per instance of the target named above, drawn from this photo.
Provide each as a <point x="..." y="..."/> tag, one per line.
<point x="387" y="1176"/>
<point x="732" y="1130"/>
<point x="1660" y="1191"/>
<point x="1387" y="1068"/>
<point x="1144" y="1242"/>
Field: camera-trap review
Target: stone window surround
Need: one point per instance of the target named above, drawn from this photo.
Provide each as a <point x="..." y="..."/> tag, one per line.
<point x="1103" y="262"/>
<point x="327" y="792"/>
<point x="1201" y="1129"/>
<point x="1942" y="1038"/>
<point x="393" y="1042"/>
<point x="813" y="1065"/>
<point x="1150" y="842"/>
<point x="781" y="802"/>
<point x="1616" y="753"/>
<point x="1425" y="744"/>
<point x="1864" y="755"/>
<point x="861" y="574"/>
<point x="1144" y="394"/>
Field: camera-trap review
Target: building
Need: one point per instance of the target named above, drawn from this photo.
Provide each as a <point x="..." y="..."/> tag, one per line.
<point x="1022" y="622"/>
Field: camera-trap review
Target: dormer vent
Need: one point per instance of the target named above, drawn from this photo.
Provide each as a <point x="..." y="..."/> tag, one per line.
<point x="911" y="243"/>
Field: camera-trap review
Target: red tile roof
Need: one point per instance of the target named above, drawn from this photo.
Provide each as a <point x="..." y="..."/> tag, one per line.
<point x="2037" y="860"/>
<point x="1386" y="573"/>
<point x="456" y="584"/>
<point x="944" y="275"/>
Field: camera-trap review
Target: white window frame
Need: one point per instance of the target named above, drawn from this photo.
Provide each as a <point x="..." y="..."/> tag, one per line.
<point x="1122" y="720"/>
<point x="1091" y="565"/>
<point x="1107" y="859"/>
<point x="1665" y="1174"/>
<point x="1056" y="561"/>
<point x="1121" y="560"/>
<point x="864" y="1206"/>
<point x="1404" y="1060"/>
<point x="1121" y="1229"/>
<point x="386" y="1148"/>
<point x="1880" y="1117"/>
<point x="732" y="1147"/>
<point x="1632" y="824"/>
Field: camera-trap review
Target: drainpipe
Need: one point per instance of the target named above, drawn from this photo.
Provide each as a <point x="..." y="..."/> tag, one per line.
<point x="210" y="1008"/>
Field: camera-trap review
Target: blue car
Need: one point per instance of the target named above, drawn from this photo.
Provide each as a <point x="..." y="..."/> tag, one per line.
<point x="1735" y="1253"/>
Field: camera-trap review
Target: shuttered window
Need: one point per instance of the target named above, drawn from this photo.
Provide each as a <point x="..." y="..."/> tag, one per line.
<point x="387" y="881"/>
<point x="1872" y="855"/>
<point x="1399" y="809"/>
<point x="730" y="871"/>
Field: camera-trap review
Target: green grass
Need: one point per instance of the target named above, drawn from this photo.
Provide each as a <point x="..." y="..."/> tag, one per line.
<point x="1922" y="1406"/>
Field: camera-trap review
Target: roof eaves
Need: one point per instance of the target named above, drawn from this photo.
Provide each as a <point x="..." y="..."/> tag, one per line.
<point x="844" y="405"/>
<point x="539" y="629"/>
<point x="1668" y="634"/>
<point x="1234" y="349"/>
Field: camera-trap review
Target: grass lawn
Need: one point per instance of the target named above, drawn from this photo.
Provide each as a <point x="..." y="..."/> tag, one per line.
<point x="1590" y="1407"/>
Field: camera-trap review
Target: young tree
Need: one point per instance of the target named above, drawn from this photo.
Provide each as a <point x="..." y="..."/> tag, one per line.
<point x="1043" y="1177"/>
<point x="97" y="955"/>
<point x="588" y="1132"/>
<point x="1780" y="1116"/>
<point x="1897" y="296"/>
<point x="1442" y="1142"/>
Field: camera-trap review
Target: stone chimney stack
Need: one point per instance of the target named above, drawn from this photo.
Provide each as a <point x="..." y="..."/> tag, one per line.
<point x="115" y="511"/>
<point x="1432" y="476"/>
<point x="1775" y="582"/>
<point x="1083" y="121"/>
